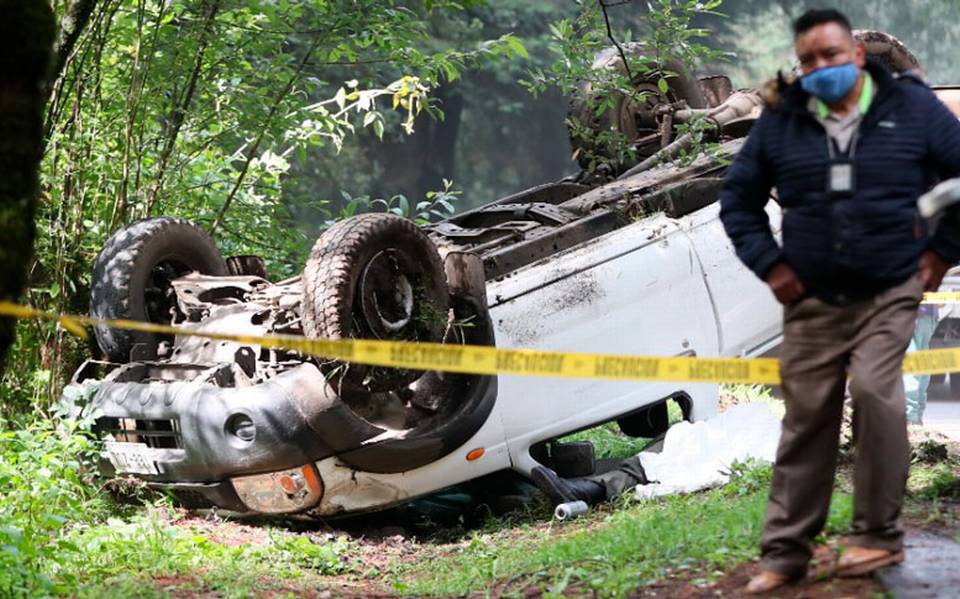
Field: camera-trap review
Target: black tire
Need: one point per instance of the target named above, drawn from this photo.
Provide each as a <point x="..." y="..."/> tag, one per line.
<point x="334" y="304"/>
<point x="648" y="423"/>
<point x="888" y="50"/>
<point x="132" y="273"/>
<point x="623" y="117"/>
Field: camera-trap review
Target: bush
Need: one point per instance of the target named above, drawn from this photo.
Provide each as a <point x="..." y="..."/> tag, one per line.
<point x="939" y="481"/>
<point x="751" y="476"/>
<point x="44" y="473"/>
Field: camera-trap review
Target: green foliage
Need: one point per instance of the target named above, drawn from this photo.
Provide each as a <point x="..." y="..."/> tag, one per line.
<point x="671" y="33"/>
<point x="609" y="442"/>
<point x="44" y="472"/>
<point x="199" y="109"/>
<point x="438" y="205"/>
<point x="611" y="554"/>
<point x="601" y="94"/>
<point x="699" y="128"/>
<point x="61" y="535"/>
<point x="109" y="559"/>
<point x="935" y="481"/>
<point x="751" y="476"/>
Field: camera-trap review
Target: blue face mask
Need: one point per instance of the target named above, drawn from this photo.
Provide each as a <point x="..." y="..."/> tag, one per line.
<point x="831" y="84"/>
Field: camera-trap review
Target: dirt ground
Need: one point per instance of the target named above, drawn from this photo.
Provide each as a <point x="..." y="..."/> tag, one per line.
<point x="383" y="541"/>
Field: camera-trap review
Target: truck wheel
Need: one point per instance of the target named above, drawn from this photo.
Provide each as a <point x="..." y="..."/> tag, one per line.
<point x="374" y="276"/>
<point x="647" y="423"/>
<point x="887" y="50"/>
<point x="631" y="118"/>
<point x="132" y="275"/>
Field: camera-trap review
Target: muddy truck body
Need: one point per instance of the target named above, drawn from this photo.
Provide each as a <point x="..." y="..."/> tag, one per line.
<point x="637" y="264"/>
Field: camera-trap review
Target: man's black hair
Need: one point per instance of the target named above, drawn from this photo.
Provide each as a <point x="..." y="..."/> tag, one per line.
<point x="820" y="16"/>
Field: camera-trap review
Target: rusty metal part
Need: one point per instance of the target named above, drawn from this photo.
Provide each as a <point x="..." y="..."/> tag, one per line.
<point x="465" y="275"/>
<point x="739" y="105"/>
<point x="737" y="128"/>
<point x="238" y="318"/>
<point x="547" y="242"/>
<point x="889" y="51"/>
<point x="253" y="266"/>
<point x="716" y="89"/>
<point x="650" y="180"/>
<point x="197" y="294"/>
<point x="386" y="295"/>
<point x="633" y="112"/>
<point x="666" y="129"/>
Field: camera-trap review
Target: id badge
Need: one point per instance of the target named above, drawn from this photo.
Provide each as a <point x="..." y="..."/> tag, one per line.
<point x="840" y="179"/>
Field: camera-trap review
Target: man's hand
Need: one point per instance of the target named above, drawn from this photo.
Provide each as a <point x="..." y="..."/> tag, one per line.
<point x="785" y="283"/>
<point x="932" y="269"/>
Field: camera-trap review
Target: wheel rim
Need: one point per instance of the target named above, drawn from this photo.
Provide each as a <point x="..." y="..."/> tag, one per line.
<point x="386" y="295"/>
<point x="159" y="298"/>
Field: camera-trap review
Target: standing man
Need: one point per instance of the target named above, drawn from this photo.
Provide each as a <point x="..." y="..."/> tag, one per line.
<point x="849" y="149"/>
<point x="928" y="316"/>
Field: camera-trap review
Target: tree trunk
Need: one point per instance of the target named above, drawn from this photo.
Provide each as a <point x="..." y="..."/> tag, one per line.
<point x="419" y="163"/>
<point x="440" y="162"/>
<point x="27" y="34"/>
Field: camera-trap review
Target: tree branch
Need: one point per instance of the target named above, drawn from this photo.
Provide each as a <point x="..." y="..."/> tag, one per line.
<point x="71" y="27"/>
<point x="179" y="112"/>
<point x="252" y="153"/>
<point x="623" y="57"/>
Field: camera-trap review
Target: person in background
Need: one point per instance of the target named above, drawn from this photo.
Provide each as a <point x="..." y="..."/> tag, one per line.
<point x="918" y="384"/>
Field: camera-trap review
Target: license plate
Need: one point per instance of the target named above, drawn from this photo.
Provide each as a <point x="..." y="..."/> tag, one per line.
<point x="131" y="458"/>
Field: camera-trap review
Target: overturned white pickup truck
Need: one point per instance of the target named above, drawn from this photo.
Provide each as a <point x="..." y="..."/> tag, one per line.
<point x="639" y="265"/>
<point x="558" y="267"/>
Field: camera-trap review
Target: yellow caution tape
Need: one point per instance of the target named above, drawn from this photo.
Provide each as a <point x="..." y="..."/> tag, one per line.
<point x="941" y="297"/>
<point x="476" y="359"/>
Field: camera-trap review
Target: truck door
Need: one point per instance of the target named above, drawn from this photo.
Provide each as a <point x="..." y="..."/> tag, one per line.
<point x="750" y="318"/>
<point x="638" y="290"/>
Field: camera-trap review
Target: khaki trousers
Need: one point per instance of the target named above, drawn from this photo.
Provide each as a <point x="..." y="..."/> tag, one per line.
<point x="823" y="344"/>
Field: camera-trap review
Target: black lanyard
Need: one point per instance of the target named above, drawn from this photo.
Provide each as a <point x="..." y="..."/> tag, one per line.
<point x="833" y="150"/>
<point x="841" y="175"/>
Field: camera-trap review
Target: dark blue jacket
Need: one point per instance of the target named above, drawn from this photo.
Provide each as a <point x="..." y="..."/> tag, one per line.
<point x="847" y="248"/>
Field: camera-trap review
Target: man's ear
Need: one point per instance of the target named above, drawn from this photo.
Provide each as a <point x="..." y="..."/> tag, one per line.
<point x="859" y="54"/>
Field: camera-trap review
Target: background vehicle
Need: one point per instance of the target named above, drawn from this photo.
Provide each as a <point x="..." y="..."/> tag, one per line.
<point x="637" y="265"/>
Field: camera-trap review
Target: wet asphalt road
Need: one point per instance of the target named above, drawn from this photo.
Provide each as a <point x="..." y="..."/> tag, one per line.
<point x="930" y="570"/>
<point x="943" y="413"/>
<point x="943" y="417"/>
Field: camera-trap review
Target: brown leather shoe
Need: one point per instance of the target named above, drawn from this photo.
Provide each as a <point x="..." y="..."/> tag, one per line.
<point x="860" y="561"/>
<point x="764" y="582"/>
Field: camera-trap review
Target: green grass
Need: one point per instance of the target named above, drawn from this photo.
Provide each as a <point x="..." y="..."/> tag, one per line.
<point x="119" y="555"/>
<point x="612" y="553"/>
<point x="609" y="442"/>
<point x="935" y="481"/>
<point x="60" y="534"/>
<point x="45" y="491"/>
<point x="754" y="394"/>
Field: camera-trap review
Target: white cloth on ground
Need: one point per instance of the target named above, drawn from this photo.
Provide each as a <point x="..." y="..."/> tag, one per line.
<point x="698" y="455"/>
